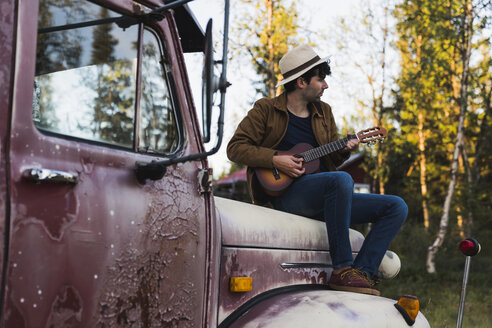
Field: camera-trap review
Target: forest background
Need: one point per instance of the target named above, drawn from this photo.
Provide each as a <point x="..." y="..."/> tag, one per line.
<point x="423" y="70"/>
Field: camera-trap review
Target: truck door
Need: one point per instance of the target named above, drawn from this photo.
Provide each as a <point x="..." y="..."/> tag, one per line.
<point x="97" y="90"/>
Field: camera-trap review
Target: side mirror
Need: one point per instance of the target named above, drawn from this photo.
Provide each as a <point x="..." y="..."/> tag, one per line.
<point x="209" y="83"/>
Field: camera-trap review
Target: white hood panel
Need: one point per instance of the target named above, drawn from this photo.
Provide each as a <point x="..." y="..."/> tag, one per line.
<point x="247" y="225"/>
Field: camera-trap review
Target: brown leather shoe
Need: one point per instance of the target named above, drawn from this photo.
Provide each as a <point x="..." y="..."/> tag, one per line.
<point x="352" y="280"/>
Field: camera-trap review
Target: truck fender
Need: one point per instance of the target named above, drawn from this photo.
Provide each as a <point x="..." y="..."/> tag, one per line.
<point x="318" y="306"/>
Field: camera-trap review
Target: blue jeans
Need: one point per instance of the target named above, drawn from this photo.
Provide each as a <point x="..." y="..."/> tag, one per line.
<point x="329" y="197"/>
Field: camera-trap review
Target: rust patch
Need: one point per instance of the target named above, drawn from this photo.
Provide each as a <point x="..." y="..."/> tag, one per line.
<point x="232" y="265"/>
<point x="153" y="284"/>
<point x="140" y="293"/>
<point x="264" y="266"/>
<point x="6" y="31"/>
<point x="131" y="299"/>
<point x="66" y="310"/>
<point x="137" y="9"/>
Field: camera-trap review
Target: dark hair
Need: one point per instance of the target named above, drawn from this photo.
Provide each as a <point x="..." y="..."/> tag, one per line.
<point x="321" y="70"/>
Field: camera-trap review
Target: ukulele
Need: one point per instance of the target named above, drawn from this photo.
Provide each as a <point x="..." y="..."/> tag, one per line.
<point x="274" y="182"/>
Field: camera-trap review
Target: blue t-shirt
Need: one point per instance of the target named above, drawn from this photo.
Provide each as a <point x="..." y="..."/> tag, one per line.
<point x="299" y="130"/>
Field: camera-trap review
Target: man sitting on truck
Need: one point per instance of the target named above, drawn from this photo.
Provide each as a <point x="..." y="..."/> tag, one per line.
<point x="297" y="116"/>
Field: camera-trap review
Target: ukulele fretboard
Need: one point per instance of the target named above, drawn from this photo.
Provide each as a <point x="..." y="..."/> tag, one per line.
<point x="315" y="153"/>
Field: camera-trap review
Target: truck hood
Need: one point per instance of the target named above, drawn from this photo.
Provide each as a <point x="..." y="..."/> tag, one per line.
<point x="247" y="225"/>
<point x="319" y="308"/>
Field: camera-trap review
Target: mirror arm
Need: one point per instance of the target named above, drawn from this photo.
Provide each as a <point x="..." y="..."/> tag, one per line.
<point x="223" y="84"/>
<point x="171" y="5"/>
<point x="155" y="170"/>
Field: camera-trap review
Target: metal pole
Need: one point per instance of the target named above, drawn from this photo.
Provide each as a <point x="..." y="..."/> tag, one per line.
<point x="463" y="292"/>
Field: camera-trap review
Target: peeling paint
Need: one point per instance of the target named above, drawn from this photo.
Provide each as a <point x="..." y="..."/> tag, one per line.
<point x="263" y="265"/>
<point x="153" y="284"/>
<point x="245" y="225"/>
<point x="87" y="164"/>
<point x="66" y="310"/>
<point x="336" y="309"/>
<point x="55" y="220"/>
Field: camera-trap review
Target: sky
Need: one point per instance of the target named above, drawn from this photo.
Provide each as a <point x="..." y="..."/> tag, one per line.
<point x="318" y="15"/>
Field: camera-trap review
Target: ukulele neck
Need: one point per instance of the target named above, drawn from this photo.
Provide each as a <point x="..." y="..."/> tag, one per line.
<point x="315" y="153"/>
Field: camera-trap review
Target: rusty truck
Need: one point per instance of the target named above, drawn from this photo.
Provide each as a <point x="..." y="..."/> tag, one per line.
<point x="107" y="215"/>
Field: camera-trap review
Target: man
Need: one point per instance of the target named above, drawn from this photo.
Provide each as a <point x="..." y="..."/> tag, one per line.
<point x="298" y="116"/>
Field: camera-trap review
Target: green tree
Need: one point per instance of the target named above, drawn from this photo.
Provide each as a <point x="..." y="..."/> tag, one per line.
<point x="482" y="81"/>
<point x="55" y="51"/>
<point x="424" y="101"/>
<point x="158" y="127"/>
<point x="435" y="43"/>
<point x="113" y="104"/>
<point x="234" y="167"/>
<point x="103" y="42"/>
<point x="266" y="30"/>
<point x="371" y="28"/>
<point x="263" y="31"/>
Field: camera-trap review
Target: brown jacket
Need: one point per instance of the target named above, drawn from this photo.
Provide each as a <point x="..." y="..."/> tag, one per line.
<point x="253" y="144"/>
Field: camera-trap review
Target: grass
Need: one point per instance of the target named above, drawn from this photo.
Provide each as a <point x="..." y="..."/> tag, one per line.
<point x="439" y="299"/>
<point x="439" y="293"/>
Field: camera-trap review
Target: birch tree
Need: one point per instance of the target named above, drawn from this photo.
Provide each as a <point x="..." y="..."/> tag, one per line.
<point x="436" y="43"/>
<point x="459" y="147"/>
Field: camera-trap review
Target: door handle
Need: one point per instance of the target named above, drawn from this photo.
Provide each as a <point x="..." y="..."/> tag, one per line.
<point x="52" y="176"/>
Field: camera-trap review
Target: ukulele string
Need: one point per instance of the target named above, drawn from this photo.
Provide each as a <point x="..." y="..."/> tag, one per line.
<point x="324" y="150"/>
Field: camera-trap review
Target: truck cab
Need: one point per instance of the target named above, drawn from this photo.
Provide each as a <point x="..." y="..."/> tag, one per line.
<point x="107" y="218"/>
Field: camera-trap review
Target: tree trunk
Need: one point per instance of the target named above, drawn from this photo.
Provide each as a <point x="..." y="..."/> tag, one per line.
<point x="421" y="145"/>
<point x="443" y="226"/>
<point x="460" y="140"/>
<point x="469" y="192"/>
<point x="382" y="179"/>
<point x="380" y="175"/>
<point x="271" y="58"/>
<point x="423" y="171"/>
<point x="460" y="223"/>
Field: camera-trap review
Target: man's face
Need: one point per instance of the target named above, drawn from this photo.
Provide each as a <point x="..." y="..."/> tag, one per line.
<point x="314" y="90"/>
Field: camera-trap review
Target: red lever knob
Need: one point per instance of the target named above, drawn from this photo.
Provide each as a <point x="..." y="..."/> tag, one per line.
<point x="469" y="247"/>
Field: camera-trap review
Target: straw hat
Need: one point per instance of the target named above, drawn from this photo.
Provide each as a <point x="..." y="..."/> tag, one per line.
<point x="297" y="62"/>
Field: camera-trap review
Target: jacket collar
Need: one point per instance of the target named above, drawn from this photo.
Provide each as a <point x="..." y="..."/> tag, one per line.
<point x="280" y="103"/>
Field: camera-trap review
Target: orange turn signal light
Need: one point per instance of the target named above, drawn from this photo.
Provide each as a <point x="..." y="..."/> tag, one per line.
<point x="409" y="308"/>
<point x="241" y="284"/>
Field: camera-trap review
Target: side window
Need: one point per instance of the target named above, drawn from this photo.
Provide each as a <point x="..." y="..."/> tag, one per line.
<point x="85" y="84"/>
<point x="158" y="122"/>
